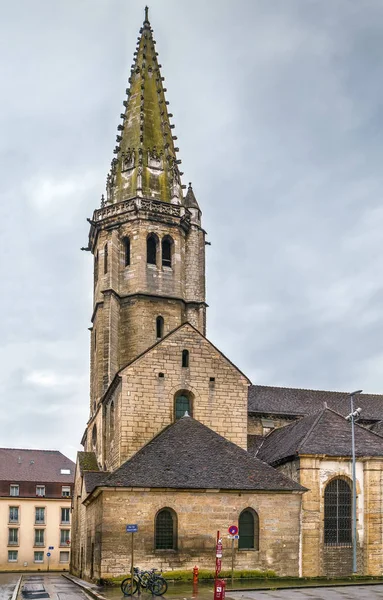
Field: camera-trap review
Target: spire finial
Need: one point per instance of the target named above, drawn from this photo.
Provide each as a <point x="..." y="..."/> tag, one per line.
<point x="146" y="14"/>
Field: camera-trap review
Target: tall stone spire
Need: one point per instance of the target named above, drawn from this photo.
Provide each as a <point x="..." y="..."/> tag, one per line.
<point x="145" y="162"/>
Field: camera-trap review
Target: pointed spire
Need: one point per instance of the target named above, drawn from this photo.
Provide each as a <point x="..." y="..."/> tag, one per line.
<point x="145" y="162"/>
<point x="190" y="199"/>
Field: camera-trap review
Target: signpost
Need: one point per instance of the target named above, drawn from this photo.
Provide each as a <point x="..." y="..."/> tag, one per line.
<point x="48" y="555"/>
<point x="219" y="585"/>
<point x="233" y="531"/>
<point x="132" y="528"/>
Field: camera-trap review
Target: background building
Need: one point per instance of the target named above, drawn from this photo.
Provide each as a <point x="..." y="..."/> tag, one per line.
<point x="35" y="509"/>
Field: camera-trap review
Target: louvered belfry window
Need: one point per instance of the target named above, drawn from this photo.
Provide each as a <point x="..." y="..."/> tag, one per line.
<point x="337" y="513"/>
<point x="165" y="530"/>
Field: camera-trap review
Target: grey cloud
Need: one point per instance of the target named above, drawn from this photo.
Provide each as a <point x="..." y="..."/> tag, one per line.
<point x="277" y="107"/>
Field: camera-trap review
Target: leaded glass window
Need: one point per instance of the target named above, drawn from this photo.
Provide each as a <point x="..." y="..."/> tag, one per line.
<point x="248" y="530"/>
<point x="183" y="405"/>
<point x="337" y="513"/>
<point x="165" y="530"/>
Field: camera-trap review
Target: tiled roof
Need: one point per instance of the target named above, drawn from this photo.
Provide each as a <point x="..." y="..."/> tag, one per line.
<point x="93" y="478"/>
<point x="290" y="401"/>
<point x="326" y="433"/>
<point x="188" y="454"/>
<point x="254" y="442"/>
<point x="34" y="465"/>
<point x="87" y="461"/>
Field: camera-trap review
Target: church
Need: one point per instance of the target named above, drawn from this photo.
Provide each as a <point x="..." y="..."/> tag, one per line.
<point x="178" y="439"/>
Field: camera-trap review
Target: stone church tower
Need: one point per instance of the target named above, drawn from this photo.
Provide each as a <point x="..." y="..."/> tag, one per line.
<point x="147" y="239"/>
<point x="164" y="401"/>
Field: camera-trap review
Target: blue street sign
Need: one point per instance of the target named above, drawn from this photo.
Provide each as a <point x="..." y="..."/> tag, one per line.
<point x="131" y="528"/>
<point x="51" y="548"/>
<point x="48" y="554"/>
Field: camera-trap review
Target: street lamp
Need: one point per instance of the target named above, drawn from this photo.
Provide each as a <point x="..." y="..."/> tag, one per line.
<point x="354" y="414"/>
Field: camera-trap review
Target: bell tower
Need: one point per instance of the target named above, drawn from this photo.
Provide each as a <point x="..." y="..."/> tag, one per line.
<point x="146" y="238"/>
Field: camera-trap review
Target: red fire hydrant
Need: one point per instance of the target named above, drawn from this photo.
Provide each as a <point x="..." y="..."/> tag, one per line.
<point x="195" y="574"/>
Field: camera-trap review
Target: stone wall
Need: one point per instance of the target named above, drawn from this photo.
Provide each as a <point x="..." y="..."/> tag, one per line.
<point x="218" y="391"/>
<point x="318" y="559"/>
<point x="199" y="515"/>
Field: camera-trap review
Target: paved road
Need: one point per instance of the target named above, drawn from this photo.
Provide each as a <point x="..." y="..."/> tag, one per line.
<point x="7" y="584"/>
<point x="55" y="585"/>
<point x="355" y="592"/>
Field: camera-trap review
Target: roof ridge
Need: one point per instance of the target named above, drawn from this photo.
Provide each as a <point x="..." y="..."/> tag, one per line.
<point x="316" y="421"/>
<point x="34" y="450"/>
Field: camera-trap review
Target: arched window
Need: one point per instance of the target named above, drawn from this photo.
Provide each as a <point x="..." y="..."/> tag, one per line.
<point x="166" y="530"/>
<point x="111" y="419"/>
<point x="248" y="530"/>
<point x="337" y="513"/>
<point x="185" y="358"/>
<point x="151" y="250"/>
<point x="183" y="403"/>
<point x="167" y="252"/>
<point x="106" y="258"/>
<point x="94" y="436"/>
<point x="126" y="252"/>
<point x="159" y="327"/>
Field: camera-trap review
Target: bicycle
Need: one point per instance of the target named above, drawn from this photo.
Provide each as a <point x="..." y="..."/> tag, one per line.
<point x="149" y="580"/>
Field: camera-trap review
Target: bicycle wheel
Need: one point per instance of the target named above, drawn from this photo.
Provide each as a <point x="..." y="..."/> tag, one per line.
<point x="126" y="586"/>
<point x="158" y="586"/>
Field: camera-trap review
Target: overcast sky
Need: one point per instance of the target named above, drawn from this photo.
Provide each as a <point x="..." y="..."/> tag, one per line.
<point x="278" y="112"/>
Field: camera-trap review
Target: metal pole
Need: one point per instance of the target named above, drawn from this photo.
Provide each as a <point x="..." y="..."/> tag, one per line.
<point x="354" y="563"/>
<point x="132" y="567"/>
<point x="232" y="562"/>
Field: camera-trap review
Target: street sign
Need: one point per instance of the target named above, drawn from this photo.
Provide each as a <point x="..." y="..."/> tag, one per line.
<point x="233" y="537"/>
<point x="48" y="554"/>
<point x="131" y="528"/>
<point x="233" y="530"/>
<point x="51" y="548"/>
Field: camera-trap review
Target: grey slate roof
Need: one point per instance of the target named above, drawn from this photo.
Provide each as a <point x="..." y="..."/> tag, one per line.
<point x="42" y="466"/>
<point x="326" y="433"/>
<point x="254" y="442"/>
<point x="188" y="454"/>
<point x="93" y="478"/>
<point x="291" y="401"/>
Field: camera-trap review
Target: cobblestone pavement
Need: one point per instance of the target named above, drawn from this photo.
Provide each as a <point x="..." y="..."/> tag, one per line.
<point x="54" y="584"/>
<point x="7" y="584"/>
<point x="354" y="592"/>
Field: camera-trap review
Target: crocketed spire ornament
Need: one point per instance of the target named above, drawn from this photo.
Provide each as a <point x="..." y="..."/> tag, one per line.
<point x="145" y="163"/>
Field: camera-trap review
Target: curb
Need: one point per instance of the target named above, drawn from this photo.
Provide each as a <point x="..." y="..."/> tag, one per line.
<point x="16" y="590"/>
<point x="84" y="586"/>
<point x="300" y="587"/>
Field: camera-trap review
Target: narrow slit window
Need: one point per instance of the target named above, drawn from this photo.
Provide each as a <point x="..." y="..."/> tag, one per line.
<point x="111" y="417"/>
<point x="106" y="258"/>
<point x="151" y="250"/>
<point x="159" y="327"/>
<point x="166" y="253"/>
<point x="185" y="358"/>
<point x="127" y="251"/>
